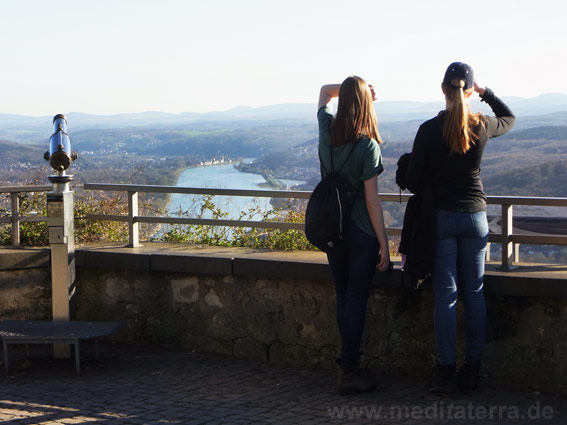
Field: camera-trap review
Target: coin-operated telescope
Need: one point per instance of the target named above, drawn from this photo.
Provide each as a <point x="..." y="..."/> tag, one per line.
<point x="60" y="155"/>
<point x="60" y="226"/>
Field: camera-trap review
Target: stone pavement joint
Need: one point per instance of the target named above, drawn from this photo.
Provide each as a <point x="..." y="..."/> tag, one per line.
<point x="133" y="385"/>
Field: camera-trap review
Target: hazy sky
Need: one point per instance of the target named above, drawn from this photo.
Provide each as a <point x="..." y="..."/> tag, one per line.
<point x="121" y="56"/>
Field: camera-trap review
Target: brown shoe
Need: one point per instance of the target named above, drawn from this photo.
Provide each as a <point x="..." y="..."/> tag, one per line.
<point x="354" y="381"/>
<point x="445" y="382"/>
<point x="467" y="378"/>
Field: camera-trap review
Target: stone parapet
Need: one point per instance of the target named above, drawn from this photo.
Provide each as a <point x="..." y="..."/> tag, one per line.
<point x="279" y="307"/>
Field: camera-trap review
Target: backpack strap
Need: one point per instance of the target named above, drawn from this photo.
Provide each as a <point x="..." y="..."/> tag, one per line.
<point x="345" y="161"/>
<point x="332" y="162"/>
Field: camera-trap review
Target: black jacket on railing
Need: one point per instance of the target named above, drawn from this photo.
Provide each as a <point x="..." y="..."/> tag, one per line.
<point x="418" y="231"/>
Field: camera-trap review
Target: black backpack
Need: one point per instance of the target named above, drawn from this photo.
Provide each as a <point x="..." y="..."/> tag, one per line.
<point x="401" y="171"/>
<point x="328" y="210"/>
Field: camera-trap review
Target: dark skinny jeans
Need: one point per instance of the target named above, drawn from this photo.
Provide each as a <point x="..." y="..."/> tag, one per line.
<point x="353" y="265"/>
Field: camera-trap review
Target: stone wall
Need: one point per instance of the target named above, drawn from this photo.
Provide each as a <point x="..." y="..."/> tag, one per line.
<point x="283" y="312"/>
<point x="292" y="322"/>
<point x="25" y="294"/>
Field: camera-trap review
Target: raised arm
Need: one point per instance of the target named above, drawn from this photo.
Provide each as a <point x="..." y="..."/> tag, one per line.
<point x="504" y="120"/>
<point x="327" y="93"/>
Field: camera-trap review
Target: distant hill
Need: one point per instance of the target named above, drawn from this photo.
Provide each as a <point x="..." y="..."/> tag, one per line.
<point x="547" y="179"/>
<point x="12" y="152"/>
<point x="252" y="140"/>
<point x="538" y="133"/>
<point x="543" y="104"/>
<point x="531" y="121"/>
<point x="299" y="162"/>
<point x="284" y="139"/>
<point x="294" y="113"/>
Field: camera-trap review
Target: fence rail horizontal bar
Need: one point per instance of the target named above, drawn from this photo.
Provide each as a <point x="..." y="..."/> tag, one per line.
<point x="17" y="189"/>
<point x="31" y="219"/>
<point x="301" y="194"/>
<point x="133" y="219"/>
<point x="539" y="239"/>
<point x="527" y="200"/>
<point x="530" y="239"/>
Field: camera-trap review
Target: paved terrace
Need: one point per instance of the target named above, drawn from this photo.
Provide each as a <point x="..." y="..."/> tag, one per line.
<point x="157" y="385"/>
<point x="133" y="385"/>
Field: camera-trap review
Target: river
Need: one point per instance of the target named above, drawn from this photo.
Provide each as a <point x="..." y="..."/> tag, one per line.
<point x="223" y="176"/>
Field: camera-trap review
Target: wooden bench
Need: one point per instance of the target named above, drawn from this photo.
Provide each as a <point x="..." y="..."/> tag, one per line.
<point x="44" y="332"/>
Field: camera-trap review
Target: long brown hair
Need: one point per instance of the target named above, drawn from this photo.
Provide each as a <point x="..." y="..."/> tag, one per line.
<point x="460" y="123"/>
<point x="355" y="113"/>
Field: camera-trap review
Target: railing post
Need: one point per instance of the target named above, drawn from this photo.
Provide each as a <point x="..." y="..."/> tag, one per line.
<point x="15" y="201"/>
<point x="133" y="234"/>
<point x="487" y="253"/>
<point x="507" y="230"/>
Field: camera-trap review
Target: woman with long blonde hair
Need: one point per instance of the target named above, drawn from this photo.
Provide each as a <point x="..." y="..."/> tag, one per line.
<point x="349" y="144"/>
<point x="446" y="155"/>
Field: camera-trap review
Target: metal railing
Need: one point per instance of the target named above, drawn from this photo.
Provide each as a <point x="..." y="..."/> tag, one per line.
<point x="511" y="242"/>
<point x="506" y="238"/>
<point x="133" y="218"/>
<point x="15" y="219"/>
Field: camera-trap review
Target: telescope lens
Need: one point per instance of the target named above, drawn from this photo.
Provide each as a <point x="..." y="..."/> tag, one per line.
<point x="60" y="161"/>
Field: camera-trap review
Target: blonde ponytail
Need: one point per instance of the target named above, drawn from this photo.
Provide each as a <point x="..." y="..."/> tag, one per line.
<point x="460" y="123"/>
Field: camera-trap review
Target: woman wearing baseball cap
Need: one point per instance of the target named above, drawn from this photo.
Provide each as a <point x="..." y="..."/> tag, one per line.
<point x="446" y="155"/>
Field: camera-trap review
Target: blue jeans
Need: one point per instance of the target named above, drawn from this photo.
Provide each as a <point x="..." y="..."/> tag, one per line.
<point x="353" y="265"/>
<point x="461" y="239"/>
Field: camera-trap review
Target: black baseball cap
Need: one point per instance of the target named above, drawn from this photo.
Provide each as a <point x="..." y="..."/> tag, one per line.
<point x="459" y="70"/>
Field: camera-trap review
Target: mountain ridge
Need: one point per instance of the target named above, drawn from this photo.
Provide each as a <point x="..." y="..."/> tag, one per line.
<point x="388" y="111"/>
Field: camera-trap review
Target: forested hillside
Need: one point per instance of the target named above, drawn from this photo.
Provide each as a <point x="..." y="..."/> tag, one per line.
<point x="524" y="162"/>
<point x="527" y="161"/>
<point x="547" y="179"/>
<point x="224" y="139"/>
<point x="558" y="132"/>
<point x="11" y="152"/>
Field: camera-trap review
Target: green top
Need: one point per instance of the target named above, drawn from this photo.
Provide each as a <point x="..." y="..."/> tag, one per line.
<point x="364" y="162"/>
